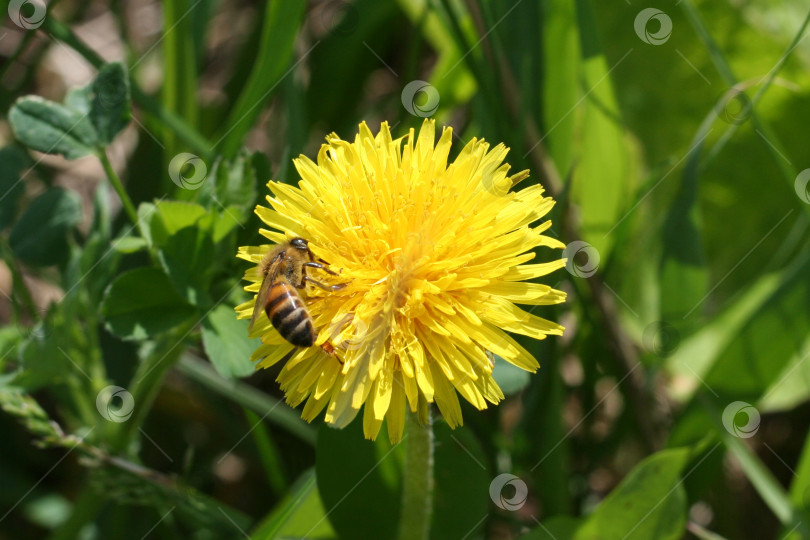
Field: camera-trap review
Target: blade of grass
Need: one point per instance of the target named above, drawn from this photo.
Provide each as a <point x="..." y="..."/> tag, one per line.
<point x="271" y="409"/>
<point x="695" y="356"/>
<point x="765" y="483"/>
<point x="268" y="453"/>
<point x="728" y="76"/>
<point x="282" y="19"/>
<point x="179" y="91"/>
<point x="760" y="477"/>
<point x="800" y="485"/>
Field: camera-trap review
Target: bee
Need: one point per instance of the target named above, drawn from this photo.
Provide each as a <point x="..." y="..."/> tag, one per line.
<point x="284" y="271"/>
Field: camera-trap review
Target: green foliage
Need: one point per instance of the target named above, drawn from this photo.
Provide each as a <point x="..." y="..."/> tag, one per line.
<point x="52" y="128"/>
<point x="90" y="118"/>
<point x="142" y="303"/>
<point x="40" y="236"/>
<point x="227" y="343"/>
<point x="14" y="161"/>
<point x="675" y="403"/>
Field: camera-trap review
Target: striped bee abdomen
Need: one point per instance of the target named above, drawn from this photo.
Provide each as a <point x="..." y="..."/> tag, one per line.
<point x="289" y="316"/>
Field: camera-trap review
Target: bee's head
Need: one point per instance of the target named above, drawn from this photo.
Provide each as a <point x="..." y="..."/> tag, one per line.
<point x="300" y="244"/>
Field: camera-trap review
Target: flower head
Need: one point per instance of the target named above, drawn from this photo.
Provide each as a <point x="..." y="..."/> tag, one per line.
<point x="434" y="260"/>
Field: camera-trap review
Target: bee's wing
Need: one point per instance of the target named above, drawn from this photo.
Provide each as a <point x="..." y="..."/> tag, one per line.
<point x="264" y="291"/>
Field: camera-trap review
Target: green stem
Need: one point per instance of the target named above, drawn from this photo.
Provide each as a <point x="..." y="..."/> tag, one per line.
<point x="129" y="208"/>
<point x="417" y="482"/>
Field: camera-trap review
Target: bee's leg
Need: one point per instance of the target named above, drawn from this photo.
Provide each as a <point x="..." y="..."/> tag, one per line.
<point x="322" y="286"/>
<point x="322" y="267"/>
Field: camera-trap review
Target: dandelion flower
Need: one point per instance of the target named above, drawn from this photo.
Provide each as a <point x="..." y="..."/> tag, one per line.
<point x="435" y="258"/>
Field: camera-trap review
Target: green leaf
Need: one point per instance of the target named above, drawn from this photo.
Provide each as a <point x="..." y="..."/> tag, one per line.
<point x="52" y="128"/>
<point x="562" y="63"/>
<point x="650" y="502"/>
<point x="39" y="237"/>
<point x="42" y="363"/>
<point x="601" y="182"/>
<point x="279" y="28"/>
<point x="79" y="99"/>
<point x="12" y="163"/>
<point x="147" y="213"/>
<point x="182" y="234"/>
<point x="109" y="106"/>
<point x="791" y="387"/>
<point x="300" y="515"/>
<point x="764" y="327"/>
<point x="227" y="343"/>
<point x="186" y="257"/>
<point x="696" y="355"/>
<point x="231" y="182"/>
<point x="142" y="303"/>
<point x="10" y="338"/>
<point x="130" y="244"/>
<point x="171" y="216"/>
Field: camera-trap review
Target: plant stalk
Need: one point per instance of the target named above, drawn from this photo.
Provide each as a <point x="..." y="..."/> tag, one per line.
<point x="129" y="208"/>
<point x="418" y="481"/>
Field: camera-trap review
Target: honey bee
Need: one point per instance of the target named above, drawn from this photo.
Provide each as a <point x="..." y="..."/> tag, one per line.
<point x="284" y="271"/>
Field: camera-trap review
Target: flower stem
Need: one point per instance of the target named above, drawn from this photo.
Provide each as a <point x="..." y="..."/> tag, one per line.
<point x="129" y="208"/>
<point x="417" y="482"/>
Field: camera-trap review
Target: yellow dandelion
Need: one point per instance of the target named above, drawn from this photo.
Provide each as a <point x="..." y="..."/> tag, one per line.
<point x="433" y="257"/>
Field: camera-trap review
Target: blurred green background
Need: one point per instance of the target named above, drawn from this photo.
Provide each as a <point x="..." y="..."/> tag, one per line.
<point x="673" y="134"/>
